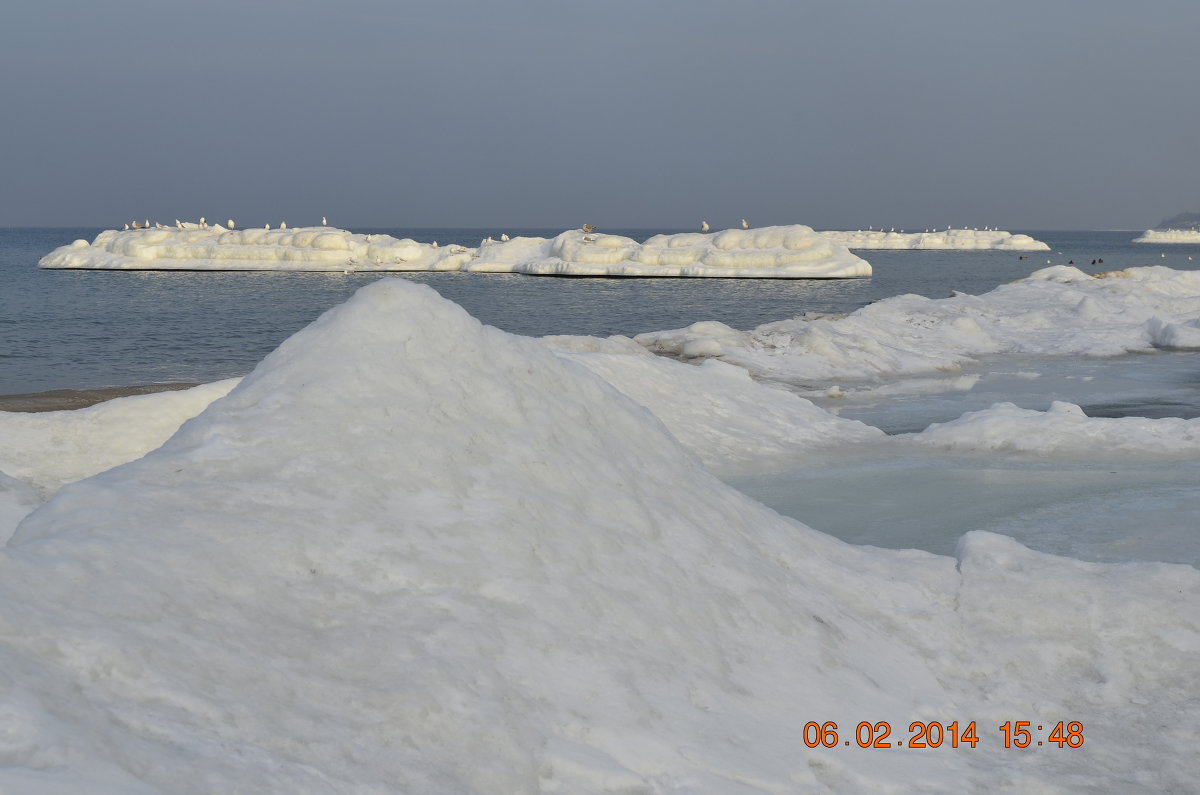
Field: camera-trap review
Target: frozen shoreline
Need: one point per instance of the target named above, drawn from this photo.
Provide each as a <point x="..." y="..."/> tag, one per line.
<point x="407" y="536"/>
<point x="70" y="399"/>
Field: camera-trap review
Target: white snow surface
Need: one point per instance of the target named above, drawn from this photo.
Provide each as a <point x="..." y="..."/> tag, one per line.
<point x="1169" y="236"/>
<point x="960" y="239"/>
<point x="715" y="410"/>
<point x="17" y="500"/>
<point x="50" y="449"/>
<point x="1059" y="310"/>
<point x="776" y="252"/>
<point x="413" y="553"/>
<point x="1063" y="429"/>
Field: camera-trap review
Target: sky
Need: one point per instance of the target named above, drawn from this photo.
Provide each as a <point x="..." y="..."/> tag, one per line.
<point x="1022" y="114"/>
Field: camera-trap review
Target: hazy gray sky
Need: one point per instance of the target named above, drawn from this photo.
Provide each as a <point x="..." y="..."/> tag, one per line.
<point x="1027" y="114"/>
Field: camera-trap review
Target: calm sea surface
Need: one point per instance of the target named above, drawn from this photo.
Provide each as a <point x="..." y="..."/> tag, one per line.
<point x="84" y="329"/>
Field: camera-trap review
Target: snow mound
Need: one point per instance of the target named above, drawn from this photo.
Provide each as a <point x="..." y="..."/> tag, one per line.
<point x="1169" y="236"/>
<point x="960" y="239"/>
<point x="784" y="252"/>
<point x="413" y="553"/>
<point x="1063" y="429"/>
<point x="1058" y="310"/>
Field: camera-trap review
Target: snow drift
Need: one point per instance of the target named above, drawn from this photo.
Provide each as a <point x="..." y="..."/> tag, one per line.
<point x="1063" y="429"/>
<point x="413" y="553"/>
<point x="1055" y="311"/>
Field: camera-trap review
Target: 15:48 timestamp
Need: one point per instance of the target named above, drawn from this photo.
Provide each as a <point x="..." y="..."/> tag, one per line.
<point x="1017" y="734"/>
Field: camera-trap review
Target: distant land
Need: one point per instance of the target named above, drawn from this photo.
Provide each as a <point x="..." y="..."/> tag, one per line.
<point x="1181" y="221"/>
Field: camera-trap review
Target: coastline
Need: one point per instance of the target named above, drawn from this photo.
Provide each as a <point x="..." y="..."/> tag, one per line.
<point x="70" y="399"/>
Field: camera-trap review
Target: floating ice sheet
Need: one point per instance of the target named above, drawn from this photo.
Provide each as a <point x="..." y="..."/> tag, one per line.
<point x="777" y="252"/>
<point x="961" y="239"/>
<point x="1169" y="236"/>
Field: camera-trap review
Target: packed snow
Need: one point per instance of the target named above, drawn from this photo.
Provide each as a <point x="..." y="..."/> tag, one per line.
<point x="1055" y="311"/>
<point x="1064" y="428"/>
<point x="48" y="450"/>
<point x="1169" y="236"/>
<point x="776" y="252"/>
<point x="961" y="239"/>
<point x="716" y="410"/>
<point x="410" y="552"/>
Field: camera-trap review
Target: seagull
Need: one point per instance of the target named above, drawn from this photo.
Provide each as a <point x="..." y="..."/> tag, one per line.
<point x="146" y="224"/>
<point x="126" y="229"/>
<point x="745" y="224"/>
<point x="504" y="238"/>
<point x="230" y="223"/>
<point x="704" y="226"/>
<point x="283" y="224"/>
<point x="588" y="228"/>
<point x="435" y="245"/>
<point x="267" y="227"/>
<point x="323" y="221"/>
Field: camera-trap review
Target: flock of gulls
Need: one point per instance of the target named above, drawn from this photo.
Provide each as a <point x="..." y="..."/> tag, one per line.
<point x="587" y="228"/>
<point x="203" y="224"/>
<point x="230" y="224"/>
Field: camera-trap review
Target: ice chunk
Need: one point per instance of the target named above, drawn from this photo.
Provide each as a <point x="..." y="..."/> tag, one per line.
<point x="1063" y="429"/>
<point x="960" y="239"/>
<point x="1169" y="236"/>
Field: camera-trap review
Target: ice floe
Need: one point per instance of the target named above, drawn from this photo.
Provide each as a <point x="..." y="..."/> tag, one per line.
<point x="779" y="252"/>
<point x="1063" y="429"/>
<point x="1169" y="236"/>
<point x="961" y="239"/>
<point x="413" y="553"/>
